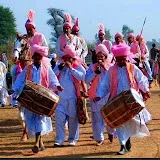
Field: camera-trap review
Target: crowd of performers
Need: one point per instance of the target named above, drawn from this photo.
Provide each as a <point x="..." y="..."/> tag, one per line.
<point x="107" y="77"/>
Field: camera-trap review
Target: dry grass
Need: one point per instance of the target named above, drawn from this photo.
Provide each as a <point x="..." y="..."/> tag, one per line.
<point x="12" y="147"/>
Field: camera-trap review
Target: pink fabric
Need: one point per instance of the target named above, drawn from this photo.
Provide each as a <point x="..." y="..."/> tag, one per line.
<point x="63" y="42"/>
<point x="119" y="35"/>
<point x="120" y="50"/>
<point x="105" y="42"/>
<point x="19" y="69"/>
<point x="70" y="50"/>
<point x="101" y="29"/>
<point x="93" y="88"/>
<point x="76" y="26"/>
<point x="43" y="51"/>
<point x="68" y="21"/>
<point x="114" y="78"/>
<point x="143" y="48"/>
<point x="43" y="75"/>
<point x="103" y="49"/>
<point x="130" y="35"/>
<point x="37" y="39"/>
<point x="30" y="22"/>
<point x="123" y="50"/>
<point x="134" y="47"/>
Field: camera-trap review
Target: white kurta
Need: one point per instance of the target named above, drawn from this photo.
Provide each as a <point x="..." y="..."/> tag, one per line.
<point x="98" y="122"/>
<point x="35" y="122"/>
<point x="67" y="108"/>
<point x="135" y="126"/>
<point x="74" y="42"/>
<point x="3" y="85"/>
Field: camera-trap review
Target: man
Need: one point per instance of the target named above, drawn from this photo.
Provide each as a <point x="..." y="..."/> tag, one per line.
<point x="94" y="77"/>
<point x="41" y="73"/>
<point x="3" y="85"/>
<point x="124" y="79"/>
<point x="102" y="39"/>
<point x="75" y="31"/>
<point x="153" y="53"/>
<point x="118" y="39"/>
<point x="35" y="37"/>
<point x="67" y="39"/>
<point x="70" y="72"/>
<point x="134" y="47"/>
<point x="145" y="57"/>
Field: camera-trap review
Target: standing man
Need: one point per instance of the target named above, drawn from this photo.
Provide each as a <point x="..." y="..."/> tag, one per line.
<point x="75" y="31"/>
<point x="41" y="73"/>
<point x="134" y="47"/>
<point x="67" y="39"/>
<point x="70" y="72"/>
<point x="94" y="77"/>
<point x="118" y="39"/>
<point x="153" y="53"/>
<point x="102" y="39"/>
<point x="124" y="79"/>
<point x="34" y="36"/>
<point x="3" y="85"/>
<point x="145" y="57"/>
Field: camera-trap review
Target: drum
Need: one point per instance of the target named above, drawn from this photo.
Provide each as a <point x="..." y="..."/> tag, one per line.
<point x="122" y="108"/>
<point x="38" y="99"/>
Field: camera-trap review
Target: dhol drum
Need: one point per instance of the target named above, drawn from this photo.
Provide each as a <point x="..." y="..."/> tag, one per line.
<point x="38" y="99"/>
<point x="122" y="108"/>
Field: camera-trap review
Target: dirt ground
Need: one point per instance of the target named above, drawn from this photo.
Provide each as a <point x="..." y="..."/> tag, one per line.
<point x="12" y="147"/>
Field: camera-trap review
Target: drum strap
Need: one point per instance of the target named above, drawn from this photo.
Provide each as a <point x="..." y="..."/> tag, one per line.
<point x="43" y="75"/>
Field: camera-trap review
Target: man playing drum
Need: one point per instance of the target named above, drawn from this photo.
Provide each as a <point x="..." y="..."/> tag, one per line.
<point x="69" y="72"/>
<point x="95" y="75"/>
<point x="124" y="79"/>
<point x="41" y="73"/>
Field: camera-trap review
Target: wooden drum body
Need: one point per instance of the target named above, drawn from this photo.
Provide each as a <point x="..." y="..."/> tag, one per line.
<point x="122" y="108"/>
<point x="38" y="99"/>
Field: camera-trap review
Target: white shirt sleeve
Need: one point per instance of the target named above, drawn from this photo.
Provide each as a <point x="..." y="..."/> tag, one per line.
<point x="58" y="49"/>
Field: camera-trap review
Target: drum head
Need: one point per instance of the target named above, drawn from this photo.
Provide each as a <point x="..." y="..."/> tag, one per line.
<point x="137" y="97"/>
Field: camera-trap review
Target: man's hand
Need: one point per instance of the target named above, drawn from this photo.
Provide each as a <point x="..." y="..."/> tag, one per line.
<point x="60" y="88"/>
<point x="96" y="99"/>
<point x="68" y="64"/>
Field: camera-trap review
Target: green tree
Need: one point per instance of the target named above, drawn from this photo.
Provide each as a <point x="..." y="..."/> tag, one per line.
<point x="107" y="35"/>
<point x="56" y="22"/>
<point x="7" y="25"/>
<point x="126" y="30"/>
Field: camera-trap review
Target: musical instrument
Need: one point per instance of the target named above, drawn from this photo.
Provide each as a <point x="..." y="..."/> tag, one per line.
<point x="38" y="99"/>
<point x="98" y="69"/>
<point x="122" y="108"/>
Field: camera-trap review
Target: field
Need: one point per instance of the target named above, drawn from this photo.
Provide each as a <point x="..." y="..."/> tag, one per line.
<point x="12" y="147"/>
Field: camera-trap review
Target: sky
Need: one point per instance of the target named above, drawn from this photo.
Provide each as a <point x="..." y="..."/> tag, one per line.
<point x="112" y="13"/>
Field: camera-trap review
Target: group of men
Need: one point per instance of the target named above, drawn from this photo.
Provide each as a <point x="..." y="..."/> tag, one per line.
<point x="67" y="75"/>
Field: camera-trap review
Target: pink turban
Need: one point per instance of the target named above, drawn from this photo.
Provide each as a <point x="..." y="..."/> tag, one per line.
<point x="130" y="35"/>
<point x="30" y="22"/>
<point x="119" y="35"/>
<point x="68" y="21"/>
<point x="76" y="26"/>
<point x="70" y="50"/>
<point x="101" y="48"/>
<point x="101" y="29"/>
<point x="43" y="51"/>
<point x="120" y="50"/>
<point x="123" y="50"/>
